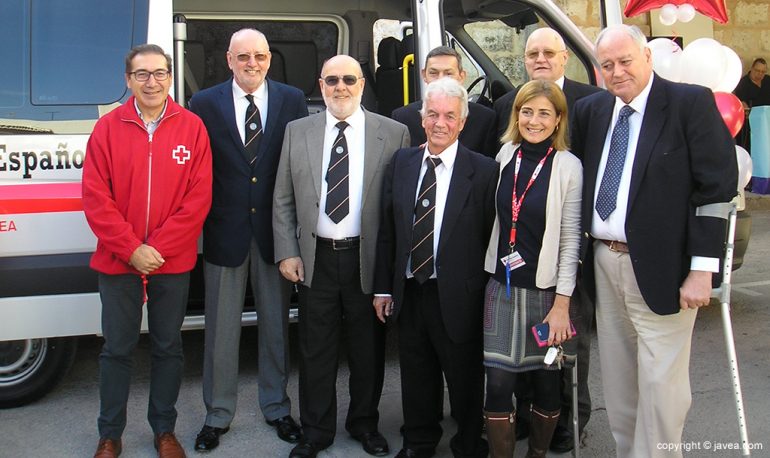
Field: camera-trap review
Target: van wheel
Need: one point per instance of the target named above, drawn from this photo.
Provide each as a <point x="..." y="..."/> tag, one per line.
<point x="31" y="368"/>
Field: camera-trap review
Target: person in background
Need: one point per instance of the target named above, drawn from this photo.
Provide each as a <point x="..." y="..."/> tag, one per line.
<point x="146" y="191"/>
<point x="533" y="259"/>
<point x="478" y="134"/>
<point x="246" y="117"/>
<point x="753" y="90"/>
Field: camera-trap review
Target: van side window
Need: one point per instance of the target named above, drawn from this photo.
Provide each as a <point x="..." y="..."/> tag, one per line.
<point x="64" y="59"/>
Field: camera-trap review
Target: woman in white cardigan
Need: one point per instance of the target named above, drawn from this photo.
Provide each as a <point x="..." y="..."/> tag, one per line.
<point x="533" y="259"/>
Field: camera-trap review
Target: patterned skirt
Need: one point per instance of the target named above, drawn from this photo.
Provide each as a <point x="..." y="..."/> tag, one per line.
<point x="508" y="340"/>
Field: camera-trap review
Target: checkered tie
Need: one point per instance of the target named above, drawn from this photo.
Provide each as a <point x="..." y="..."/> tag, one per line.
<point x="337" y="183"/>
<point x="606" y="200"/>
<point x="253" y="129"/>
<point x="422" y="230"/>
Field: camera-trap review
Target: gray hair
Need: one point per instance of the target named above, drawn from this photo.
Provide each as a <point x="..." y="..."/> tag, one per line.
<point x="450" y="88"/>
<point x="631" y="31"/>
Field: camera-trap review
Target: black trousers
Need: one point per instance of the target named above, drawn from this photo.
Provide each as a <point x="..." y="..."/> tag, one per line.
<point x="334" y="312"/>
<point x="425" y="353"/>
<point x="122" y="297"/>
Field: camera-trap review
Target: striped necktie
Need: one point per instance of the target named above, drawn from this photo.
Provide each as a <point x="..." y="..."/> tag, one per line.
<point x="422" y="230"/>
<point x="253" y="129"/>
<point x="337" y="183"/>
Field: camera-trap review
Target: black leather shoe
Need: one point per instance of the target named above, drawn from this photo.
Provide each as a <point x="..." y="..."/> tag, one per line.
<point x="305" y="449"/>
<point x="562" y="441"/>
<point x="288" y="430"/>
<point x="411" y="453"/>
<point x="374" y="443"/>
<point x="208" y="438"/>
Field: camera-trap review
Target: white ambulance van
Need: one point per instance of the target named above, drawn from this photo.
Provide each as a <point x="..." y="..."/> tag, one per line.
<point x="61" y="68"/>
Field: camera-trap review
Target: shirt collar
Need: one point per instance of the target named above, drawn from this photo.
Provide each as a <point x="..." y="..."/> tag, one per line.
<point x="560" y="82"/>
<point x="447" y="156"/>
<point x="639" y="103"/>
<point x="259" y="94"/>
<point x="355" y="121"/>
<point x="153" y="121"/>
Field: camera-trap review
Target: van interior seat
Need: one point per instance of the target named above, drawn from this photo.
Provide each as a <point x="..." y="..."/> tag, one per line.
<point x="390" y="83"/>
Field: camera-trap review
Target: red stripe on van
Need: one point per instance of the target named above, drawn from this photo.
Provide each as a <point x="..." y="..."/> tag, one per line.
<point x="40" y="198"/>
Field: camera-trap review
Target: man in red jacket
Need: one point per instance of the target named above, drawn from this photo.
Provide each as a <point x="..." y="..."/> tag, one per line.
<point x="146" y="192"/>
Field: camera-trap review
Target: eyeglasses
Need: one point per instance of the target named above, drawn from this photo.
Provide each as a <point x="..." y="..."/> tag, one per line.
<point x="258" y="56"/>
<point x="333" y="80"/>
<point x="144" y="75"/>
<point x="547" y="53"/>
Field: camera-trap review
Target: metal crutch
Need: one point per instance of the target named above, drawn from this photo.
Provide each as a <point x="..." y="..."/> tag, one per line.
<point x="729" y="211"/>
<point x="575" y="429"/>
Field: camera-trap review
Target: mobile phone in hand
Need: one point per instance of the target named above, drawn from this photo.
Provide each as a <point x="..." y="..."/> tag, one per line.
<point x="541" y="331"/>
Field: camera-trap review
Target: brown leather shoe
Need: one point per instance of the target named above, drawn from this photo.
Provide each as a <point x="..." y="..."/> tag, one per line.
<point x="168" y="447"/>
<point x="108" y="448"/>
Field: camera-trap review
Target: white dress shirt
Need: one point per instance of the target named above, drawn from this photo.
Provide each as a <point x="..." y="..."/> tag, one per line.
<point x="443" y="178"/>
<point x="350" y="226"/>
<point x="241" y="104"/>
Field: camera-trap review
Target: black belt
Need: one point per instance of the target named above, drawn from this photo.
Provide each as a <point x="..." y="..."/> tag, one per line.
<point x="348" y="243"/>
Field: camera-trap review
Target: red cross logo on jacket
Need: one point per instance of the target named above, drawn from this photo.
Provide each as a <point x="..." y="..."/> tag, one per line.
<point x="181" y="154"/>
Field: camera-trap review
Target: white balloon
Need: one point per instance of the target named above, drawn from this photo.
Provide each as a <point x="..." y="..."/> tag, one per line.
<point x="733" y="71"/>
<point x="667" y="14"/>
<point x="703" y="62"/>
<point x="666" y="56"/>
<point x="685" y="13"/>
<point x="745" y="166"/>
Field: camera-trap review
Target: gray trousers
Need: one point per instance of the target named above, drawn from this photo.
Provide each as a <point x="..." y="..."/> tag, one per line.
<point x="225" y="291"/>
<point x="122" y="297"/>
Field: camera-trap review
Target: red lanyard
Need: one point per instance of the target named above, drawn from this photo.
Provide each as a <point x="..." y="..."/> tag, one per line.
<point x="516" y="203"/>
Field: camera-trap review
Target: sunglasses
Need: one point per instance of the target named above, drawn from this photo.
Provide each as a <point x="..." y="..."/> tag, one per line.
<point x="333" y="80"/>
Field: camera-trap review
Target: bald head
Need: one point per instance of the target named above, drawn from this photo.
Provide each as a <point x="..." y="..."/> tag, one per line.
<point x="341" y="98"/>
<point x="249" y="58"/>
<point x="545" y="56"/>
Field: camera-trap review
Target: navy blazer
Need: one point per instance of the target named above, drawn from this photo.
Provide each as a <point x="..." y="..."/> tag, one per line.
<point x="685" y="158"/>
<point x="573" y="91"/>
<point x="465" y="229"/>
<point x="242" y="203"/>
<point x="478" y="134"/>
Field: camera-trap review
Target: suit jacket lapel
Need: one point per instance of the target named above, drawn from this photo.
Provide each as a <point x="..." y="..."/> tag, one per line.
<point x="459" y="189"/>
<point x="405" y="188"/>
<point x="227" y="107"/>
<point x="314" y="143"/>
<point x="274" y="104"/>
<point x="374" y="144"/>
<point x="652" y="124"/>
<point x="595" y="144"/>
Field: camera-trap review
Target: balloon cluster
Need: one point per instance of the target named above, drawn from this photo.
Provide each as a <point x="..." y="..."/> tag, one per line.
<point x="670" y="13"/>
<point x="707" y="62"/>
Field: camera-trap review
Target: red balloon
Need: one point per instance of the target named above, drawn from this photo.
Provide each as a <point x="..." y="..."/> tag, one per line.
<point x="715" y="9"/>
<point x="731" y="109"/>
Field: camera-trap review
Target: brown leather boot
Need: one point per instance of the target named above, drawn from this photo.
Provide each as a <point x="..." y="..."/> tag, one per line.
<point x="541" y="426"/>
<point x="168" y="447"/>
<point x="108" y="448"/>
<point x="501" y="433"/>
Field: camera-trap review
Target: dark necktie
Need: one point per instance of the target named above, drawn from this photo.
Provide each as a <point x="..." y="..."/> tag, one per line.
<point x="606" y="199"/>
<point x="337" y="183"/>
<point x="253" y="129"/>
<point x="422" y="230"/>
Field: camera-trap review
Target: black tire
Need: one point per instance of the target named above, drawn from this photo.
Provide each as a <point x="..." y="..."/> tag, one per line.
<point x="31" y="368"/>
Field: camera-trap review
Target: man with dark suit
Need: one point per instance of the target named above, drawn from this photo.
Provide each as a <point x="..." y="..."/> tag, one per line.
<point x="479" y="132"/>
<point x="325" y="221"/>
<point x="545" y="57"/>
<point x="655" y="153"/>
<point x="238" y="235"/>
<point x="438" y="210"/>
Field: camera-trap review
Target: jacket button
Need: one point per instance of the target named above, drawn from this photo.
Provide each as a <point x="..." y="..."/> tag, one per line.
<point x="586" y="234"/>
<point x="253" y="179"/>
<point x="253" y="210"/>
